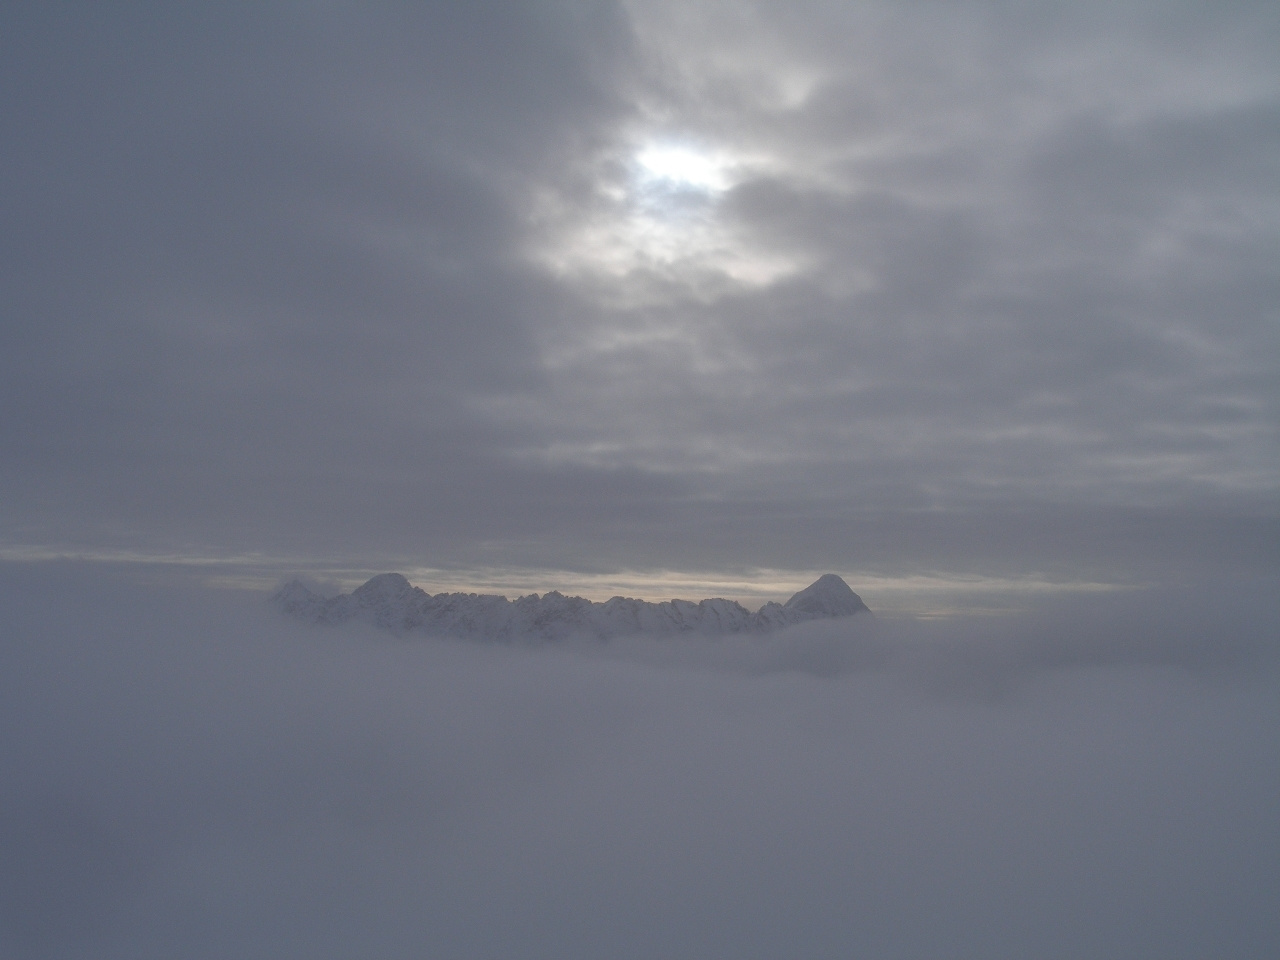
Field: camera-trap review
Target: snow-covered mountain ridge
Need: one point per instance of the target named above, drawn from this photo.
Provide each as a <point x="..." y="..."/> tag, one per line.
<point x="389" y="600"/>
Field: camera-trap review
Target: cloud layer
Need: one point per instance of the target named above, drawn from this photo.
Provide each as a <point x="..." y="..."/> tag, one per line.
<point x="189" y="774"/>
<point x="958" y="288"/>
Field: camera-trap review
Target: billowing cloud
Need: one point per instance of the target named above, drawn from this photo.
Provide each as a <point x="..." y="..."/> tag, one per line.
<point x="194" y="775"/>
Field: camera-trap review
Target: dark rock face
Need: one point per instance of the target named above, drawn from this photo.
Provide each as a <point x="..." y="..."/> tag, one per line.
<point x="390" y="601"/>
<point x="826" y="597"/>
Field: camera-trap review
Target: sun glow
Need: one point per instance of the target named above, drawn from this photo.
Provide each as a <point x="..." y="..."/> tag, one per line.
<point x="659" y="226"/>
<point x="683" y="167"/>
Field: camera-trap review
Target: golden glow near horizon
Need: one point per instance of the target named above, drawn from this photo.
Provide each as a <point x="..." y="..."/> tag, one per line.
<point x="929" y="596"/>
<point x="933" y="595"/>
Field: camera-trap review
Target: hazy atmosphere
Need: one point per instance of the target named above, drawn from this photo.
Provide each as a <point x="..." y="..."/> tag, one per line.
<point x="547" y="292"/>
<point x="186" y="775"/>
<point x="974" y="304"/>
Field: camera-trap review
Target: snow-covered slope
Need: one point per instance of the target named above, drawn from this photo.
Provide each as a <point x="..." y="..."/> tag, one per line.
<point x="390" y="601"/>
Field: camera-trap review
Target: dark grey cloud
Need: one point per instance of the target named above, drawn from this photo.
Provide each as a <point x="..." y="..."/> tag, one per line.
<point x="191" y="774"/>
<point x="381" y="284"/>
<point x="251" y="248"/>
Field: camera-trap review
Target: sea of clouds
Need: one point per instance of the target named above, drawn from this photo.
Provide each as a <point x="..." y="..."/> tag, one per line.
<point x="188" y="773"/>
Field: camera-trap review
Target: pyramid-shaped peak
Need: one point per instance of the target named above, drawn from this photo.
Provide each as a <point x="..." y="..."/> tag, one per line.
<point x="831" y="581"/>
<point x="292" y="591"/>
<point x="828" y="596"/>
<point x="383" y="587"/>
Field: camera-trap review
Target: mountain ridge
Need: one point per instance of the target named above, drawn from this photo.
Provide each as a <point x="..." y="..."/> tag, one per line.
<point x="389" y="601"/>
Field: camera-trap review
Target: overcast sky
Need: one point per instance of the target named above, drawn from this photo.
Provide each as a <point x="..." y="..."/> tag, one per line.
<point x="975" y="304"/>
<point x="642" y="296"/>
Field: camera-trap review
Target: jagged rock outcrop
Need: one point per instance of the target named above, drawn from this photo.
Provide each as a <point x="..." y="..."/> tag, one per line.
<point x="390" y="601"/>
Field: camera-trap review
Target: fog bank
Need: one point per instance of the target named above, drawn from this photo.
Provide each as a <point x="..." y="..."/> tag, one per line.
<point x="190" y="774"/>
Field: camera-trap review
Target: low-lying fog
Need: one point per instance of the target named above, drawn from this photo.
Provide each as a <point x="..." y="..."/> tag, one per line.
<point x="190" y="774"/>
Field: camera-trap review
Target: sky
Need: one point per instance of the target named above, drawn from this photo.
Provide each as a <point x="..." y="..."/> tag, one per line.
<point x="974" y="304"/>
<point x="958" y="300"/>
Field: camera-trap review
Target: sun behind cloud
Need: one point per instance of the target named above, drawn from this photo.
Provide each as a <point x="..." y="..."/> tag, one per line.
<point x="659" y="217"/>
<point x="683" y="167"/>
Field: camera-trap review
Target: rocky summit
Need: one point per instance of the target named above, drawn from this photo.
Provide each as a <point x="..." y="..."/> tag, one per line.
<point x="390" y="601"/>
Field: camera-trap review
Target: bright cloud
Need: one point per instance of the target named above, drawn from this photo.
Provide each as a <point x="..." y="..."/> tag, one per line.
<point x="683" y="167"/>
